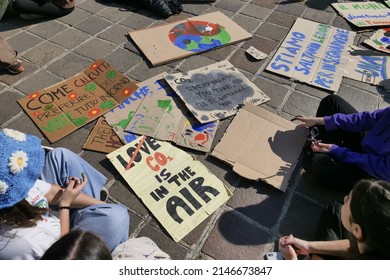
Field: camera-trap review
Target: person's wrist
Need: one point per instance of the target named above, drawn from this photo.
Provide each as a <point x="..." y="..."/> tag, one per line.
<point x="64" y="208"/>
<point x="320" y="120"/>
<point x="310" y="249"/>
<point x="64" y="204"/>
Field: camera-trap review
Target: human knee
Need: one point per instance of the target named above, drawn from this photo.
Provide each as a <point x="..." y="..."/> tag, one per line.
<point x="17" y="5"/>
<point x="59" y="154"/>
<point x="113" y="216"/>
<point x="119" y="217"/>
<point x="330" y="99"/>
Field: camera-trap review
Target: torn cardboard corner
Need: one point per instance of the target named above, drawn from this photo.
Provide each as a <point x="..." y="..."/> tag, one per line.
<point x="255" y="53"/>
<point x="102" y="138"/>
<point x="66" y="106"/>
<point x="261" y="146"/>
<point x="168" y="42"/>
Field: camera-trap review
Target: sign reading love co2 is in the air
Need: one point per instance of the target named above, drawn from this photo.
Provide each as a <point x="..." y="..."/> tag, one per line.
<point x="178" y="190"/>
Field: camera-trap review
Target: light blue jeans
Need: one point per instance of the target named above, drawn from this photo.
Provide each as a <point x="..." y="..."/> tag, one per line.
<point x="109" y="221"/>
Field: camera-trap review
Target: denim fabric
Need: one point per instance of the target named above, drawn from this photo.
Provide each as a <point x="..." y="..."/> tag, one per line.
<point x="109" y="221"/>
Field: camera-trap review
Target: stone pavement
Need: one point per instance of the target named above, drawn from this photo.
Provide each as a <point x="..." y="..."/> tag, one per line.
<point x="253" y="219"/>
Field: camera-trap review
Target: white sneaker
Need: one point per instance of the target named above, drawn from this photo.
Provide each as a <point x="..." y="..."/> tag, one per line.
<point x="104" y="194"/>
<point x="3" y="7"/>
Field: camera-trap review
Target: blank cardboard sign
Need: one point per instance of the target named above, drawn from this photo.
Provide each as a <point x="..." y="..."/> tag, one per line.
<point x="261" y="146"/>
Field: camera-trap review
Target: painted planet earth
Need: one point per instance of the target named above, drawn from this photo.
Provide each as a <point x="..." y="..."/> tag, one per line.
<point x="198" y="36"/>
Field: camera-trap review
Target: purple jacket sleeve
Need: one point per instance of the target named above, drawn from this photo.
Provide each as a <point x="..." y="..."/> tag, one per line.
<point x="376" y="166"/>
<point x="358" y="122"/>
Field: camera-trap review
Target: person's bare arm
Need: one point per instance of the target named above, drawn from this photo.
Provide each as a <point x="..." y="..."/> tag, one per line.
<point x="72" y="190"/>
<point x="82" y="200"/>
<point x="309" y="121"/>
<point x="338" y="248"/>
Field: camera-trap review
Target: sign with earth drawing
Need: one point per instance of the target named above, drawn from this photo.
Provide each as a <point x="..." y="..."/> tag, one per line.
<point x="176" y="40"/>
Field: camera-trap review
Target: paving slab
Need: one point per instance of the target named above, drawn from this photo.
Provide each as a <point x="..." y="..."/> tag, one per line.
<point x="226" y="242"/>
<point x="249" y="224"/>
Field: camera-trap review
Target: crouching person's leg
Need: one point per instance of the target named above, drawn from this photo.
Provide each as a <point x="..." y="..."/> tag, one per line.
<point x="109" y="221"/>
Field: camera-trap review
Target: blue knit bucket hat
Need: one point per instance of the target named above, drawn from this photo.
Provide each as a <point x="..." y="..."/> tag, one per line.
<point x="21" y="163"/>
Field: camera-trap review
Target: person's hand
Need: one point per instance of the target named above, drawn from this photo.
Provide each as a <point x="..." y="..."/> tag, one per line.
<point x="319" y="147"/>
<point x="288" y="252"/>
<point x="309" y="121"/>
<point x="298" y="246"/>
<point x="73" y="188"/>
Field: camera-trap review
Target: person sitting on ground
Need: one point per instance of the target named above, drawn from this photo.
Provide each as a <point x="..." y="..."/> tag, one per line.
<point x="348" y="145"/>
<point x="365" y="215"/>
<point x="31" y="181"/>
<point x="83" y="245"/>
<point x="32" y="9"/>
<point x="9" y="58"/>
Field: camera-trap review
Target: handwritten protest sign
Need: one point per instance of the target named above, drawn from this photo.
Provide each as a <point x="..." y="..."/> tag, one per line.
<point x="380" y="40"/>
<point x="120" y="116"/>
<point x="368" y="69"/>
<point x="313" y="53"/>
<point x="216" y="91"/>
<point x="363" y="14"/>
<point x="66" y="106"/>
<point x="155" y="110"/>
<point x="187" y="37"/>
<point x="178" y="190"/>
<point x="102" y="138"/>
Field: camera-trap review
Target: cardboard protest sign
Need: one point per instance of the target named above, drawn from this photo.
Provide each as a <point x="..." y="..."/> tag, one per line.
<point x="368" y="69"/>
<point x="261" y="146"/>
<point x="380" y="40"/>
<point x="364" y="14"/>
<point x="119" y="117"/>
<point x="102" y="138"/>
<point x="155" y="110"/>
<point x="313" y="53"/>
<point x="66" y="106"/>
<point x="216" y="91"/>
<point x="184" y="38"/>
<point x="178" y="190"/>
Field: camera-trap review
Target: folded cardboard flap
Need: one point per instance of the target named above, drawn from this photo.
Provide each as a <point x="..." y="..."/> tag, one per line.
<point x="261" y="146"/>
